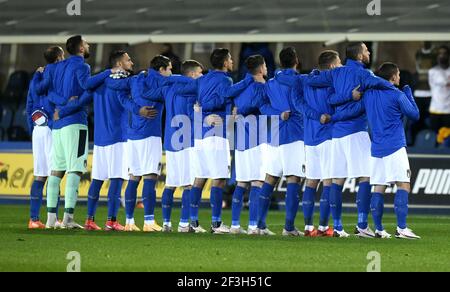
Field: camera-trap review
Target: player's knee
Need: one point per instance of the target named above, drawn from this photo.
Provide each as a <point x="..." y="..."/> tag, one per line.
<point x="272" y="180"/>
<point x="404" y="186"/>
<point x="312" y="183"/>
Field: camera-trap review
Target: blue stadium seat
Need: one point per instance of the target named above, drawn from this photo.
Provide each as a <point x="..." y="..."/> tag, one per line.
<point x="5" y="122"/>
<point x="426" y="139"/>
<point x="19" y="128"/>
<point x="16" y="89"/>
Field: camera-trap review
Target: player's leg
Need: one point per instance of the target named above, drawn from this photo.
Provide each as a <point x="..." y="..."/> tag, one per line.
<point x="166" y="206"/>
<point x="93" y="197"/>
<point x="292" y="204"/>
<point x="74" y="139"/>
<point x="58" y="164"/>
<point x="183" y="225"/>
<point x="130" y="202"/>
<point x="308" y="206"/>
<point x="36" y="195"/>
<point x="41" y="140"/>
<point x="339" y="172"/>
<point x="253" y="200"/>
<point x="398" y="171"/>
<point x="236" y="207"/>
<point x="195" y="197"/>
<point x="401" y="211"/>
<point x="216" y="200"/>
<point x="98" y="176"/>
<point x="243" y="169"/>
<point x="363" y="198"/>
<point x="114" y="194"/>
<point x="265" y="195"/>
<point x="377" y="208"/>
<point x="149" y="201"/>
<point x="324" y="229"/>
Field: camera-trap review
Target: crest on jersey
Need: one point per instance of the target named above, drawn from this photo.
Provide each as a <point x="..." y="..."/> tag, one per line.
<point x="39" y="118"/>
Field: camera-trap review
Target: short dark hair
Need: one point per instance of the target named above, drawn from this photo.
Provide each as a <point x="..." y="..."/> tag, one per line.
<point x="353" y="50"/>
<point x="189" y="66"/>
<point x="73" y="44"/>
<point x="253" y="63"/>
<point x="52" y="54"/>
<point x="115" y="56"/>
<point x="387" y="70"/>
<point x="288" y="57"/>
<point x="159" y="61"/>
<point x="327" y="58"/>
<point x="218" y="57"/>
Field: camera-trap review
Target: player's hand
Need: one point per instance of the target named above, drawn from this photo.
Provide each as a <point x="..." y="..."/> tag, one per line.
<point x="356" y="94"/>
<point x="325" y="118"/>
<point x="285" y="115"/>
<point x="56" y="115"/>
<point x="407" y="90"/>
<point x="73" y="98"/>
<point x="40" y="69"/>
<point x="214" y="120"/>
<point x="148" y="112"/>
<point x="197" y="107"/>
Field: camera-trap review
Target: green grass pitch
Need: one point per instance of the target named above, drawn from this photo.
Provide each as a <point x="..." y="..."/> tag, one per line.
<point x="46" y="250"/>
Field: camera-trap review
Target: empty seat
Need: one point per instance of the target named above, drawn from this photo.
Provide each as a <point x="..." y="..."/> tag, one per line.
<point x="426" y="139"/>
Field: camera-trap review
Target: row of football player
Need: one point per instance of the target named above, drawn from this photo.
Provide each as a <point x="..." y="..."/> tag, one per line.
<point x="323" y="121"/>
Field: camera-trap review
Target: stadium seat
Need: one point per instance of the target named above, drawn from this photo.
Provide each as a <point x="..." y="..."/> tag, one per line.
<point x="19" y="128"/>
<point x="426" y="139"/>
<point x="16" y="89"/>
<point x="5" y="122"/>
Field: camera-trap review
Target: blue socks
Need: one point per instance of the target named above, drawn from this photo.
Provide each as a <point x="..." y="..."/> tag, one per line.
<point x="185" y="205"/>
<point x="36" y="199"/>
<point x="115" y="188"/>
<point x="216" y="204"/>
<point x="401" y="207"/>
<point x="308" y="205"/>
<point x="195" y="197"/>
<point x="130" y="198"/>
<point x="253" y="206"/>
<point x="292" y="202"/>
<point x="93" y="196"/>
<point x="264" y="204"/>
<point x="167" y="204"/>
<point x="377" y="208"/>
<point x="325" y="206"/>
<point x="149" y="199"/>
<point x="236" y="206"/>
<point x="336" y="206"/>
<point x="363" y="204"/>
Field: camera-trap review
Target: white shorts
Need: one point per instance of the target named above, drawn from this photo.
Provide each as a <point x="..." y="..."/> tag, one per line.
<point x="390" y="169"/>
<point x="318" y="162"/>
<point x="144" y="156"/>
<point x="211" y="158"/>
<point x="350" y="157"/>
<point x="42" y="147"/>
<point x="248" y="164"/>
<point x="110" y="162"/>
<point x="285" y="160"/>
<point x="178" y="168"/>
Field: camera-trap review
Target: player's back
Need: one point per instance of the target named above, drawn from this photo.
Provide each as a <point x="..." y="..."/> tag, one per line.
<point x="385" y="120"/>
<point x="317" y="99"/>
<point x="210" y="95"/>
<point x="109" y="115"/>
<point x="68" y="80"/>
<point x="140" y="127"/>
<point x="282" y="98"/>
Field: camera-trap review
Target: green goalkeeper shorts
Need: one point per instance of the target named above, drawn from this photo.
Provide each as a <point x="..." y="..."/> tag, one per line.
<point x="70" y="149"/>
